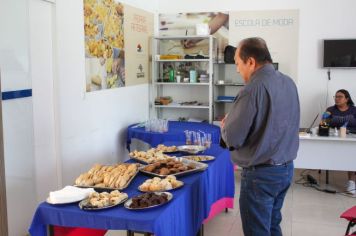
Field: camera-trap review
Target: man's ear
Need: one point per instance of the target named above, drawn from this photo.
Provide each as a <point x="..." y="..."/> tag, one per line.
<point x="252" y="62"/>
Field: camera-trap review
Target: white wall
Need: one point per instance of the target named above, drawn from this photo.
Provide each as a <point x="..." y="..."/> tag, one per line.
<point x="17" y="115"/>
<point x="319" y="19"/>
<point x="92" y="125"/>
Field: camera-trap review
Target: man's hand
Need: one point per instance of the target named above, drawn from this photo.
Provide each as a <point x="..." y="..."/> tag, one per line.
<point x="223" y="121"/>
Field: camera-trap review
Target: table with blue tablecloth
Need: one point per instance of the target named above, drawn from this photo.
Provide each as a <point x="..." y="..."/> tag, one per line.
<point x="175" y="132"/>
<point x="183" y="215"/>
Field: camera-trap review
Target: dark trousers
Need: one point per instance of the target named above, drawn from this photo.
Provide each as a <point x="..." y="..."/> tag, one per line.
<point x="261" y="199"/>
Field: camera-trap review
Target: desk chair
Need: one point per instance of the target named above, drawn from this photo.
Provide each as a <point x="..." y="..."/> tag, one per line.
<point x="350" y="215"/>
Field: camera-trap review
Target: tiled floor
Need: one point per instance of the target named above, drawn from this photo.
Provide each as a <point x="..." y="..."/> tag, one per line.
<point x="306" y="211"/>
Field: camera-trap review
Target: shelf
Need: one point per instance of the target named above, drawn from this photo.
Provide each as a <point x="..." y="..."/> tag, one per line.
<point x="230" y="84"/>
<point x="176" y="105"/>
<point x="183" y="60"/>
<point x="183" y="91"/>
<point x="178" y="84"/>
<point x="223" y="63"/>
<point x="184" y="37"/>
<point x="224" y="101"/>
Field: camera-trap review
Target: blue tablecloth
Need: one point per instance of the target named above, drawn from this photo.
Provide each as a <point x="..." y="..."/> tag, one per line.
<point x="175" y="132"/>
<point x="182" y="216"/>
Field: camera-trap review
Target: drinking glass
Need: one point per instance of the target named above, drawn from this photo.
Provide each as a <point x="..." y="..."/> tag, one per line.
<point x="188" y="137"/>
<point x="208" y="140"/>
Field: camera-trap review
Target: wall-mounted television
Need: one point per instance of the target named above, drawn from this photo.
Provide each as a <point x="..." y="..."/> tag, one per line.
<point x="339" y="53"/>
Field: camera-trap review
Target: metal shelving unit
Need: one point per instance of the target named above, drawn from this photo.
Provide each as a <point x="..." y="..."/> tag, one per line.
<point x="182" y="91"/>
<point x="181" y="84"/>
<point x="227" y="82"/>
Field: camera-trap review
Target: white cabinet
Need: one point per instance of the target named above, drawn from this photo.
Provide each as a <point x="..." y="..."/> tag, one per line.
<point x="185" y="77"/>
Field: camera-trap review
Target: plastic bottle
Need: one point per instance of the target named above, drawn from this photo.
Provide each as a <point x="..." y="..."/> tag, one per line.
<point x="171" y="75"/>
<point x="192" y="76"/>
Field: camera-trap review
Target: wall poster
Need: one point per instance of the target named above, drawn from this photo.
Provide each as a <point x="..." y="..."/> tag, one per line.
<point x="185" y="24"/>
<point x="107" y="23"/>
<point x="139" y="25"/>
<point x="280" y="29"/>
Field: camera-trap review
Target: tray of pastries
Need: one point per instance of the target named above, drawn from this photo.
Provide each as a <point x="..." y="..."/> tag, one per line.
<point x="157" y="184"/>
<point x="148" y="200"/>
<point x="103" y="177"/>
<point x="191" y="149"/>
<point x="103" y="200"/>
<point x="166" y="149"/>
<point x="150" y="156"/>
<point x="176" y="166"/>
<point x="200" y="158"/>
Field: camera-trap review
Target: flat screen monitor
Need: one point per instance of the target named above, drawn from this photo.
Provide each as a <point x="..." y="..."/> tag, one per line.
<point x="339" y="53"/>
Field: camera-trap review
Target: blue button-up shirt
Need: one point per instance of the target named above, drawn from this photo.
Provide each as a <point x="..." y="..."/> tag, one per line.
<point x="263" y="123"/>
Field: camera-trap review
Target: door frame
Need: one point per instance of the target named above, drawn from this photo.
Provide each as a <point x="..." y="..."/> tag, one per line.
<point x="3" y="207"/>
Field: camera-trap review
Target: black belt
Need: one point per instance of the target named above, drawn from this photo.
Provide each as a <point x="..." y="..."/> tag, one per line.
<point x="266" y="165"/>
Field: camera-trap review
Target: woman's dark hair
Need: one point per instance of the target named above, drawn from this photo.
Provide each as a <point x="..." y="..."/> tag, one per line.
<point x="347" y="96"/>
<point x="256" y="48"/>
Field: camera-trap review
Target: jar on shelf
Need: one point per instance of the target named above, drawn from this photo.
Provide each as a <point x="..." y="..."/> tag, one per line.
<point x="178" y="76"/>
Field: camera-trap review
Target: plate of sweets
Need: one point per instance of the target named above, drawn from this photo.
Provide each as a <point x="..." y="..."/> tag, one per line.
<point x="166" y="149"/>
<point x="191" y="149"/>
<point x="148" y="200"/>
<point x="176" y="166"/>
<point x="150" y="156"/>
<point x="103" y="200"/>
<point x="199" y="158"/>
<point x="157" y="184"/>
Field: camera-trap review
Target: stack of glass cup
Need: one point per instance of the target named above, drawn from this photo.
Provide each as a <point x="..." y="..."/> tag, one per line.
<point x="156" y="125"/>
<point x="199" y="138"/>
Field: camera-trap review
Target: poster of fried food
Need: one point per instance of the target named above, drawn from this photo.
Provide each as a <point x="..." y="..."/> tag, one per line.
<point x="186" y="24"/>
<point x="104" y="44"/>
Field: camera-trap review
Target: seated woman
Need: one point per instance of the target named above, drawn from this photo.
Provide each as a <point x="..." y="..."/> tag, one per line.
<point x="344" y="113"/>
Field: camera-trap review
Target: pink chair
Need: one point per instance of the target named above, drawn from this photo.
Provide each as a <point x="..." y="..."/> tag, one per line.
<point x="69" y="231"/>
<point x="350" y="215"/>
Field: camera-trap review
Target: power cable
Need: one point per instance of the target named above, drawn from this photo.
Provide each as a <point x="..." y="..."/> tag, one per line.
<point x="308" y="180"/>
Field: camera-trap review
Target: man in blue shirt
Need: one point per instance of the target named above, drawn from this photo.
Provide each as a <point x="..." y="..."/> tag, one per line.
<point x="261" y="130"/>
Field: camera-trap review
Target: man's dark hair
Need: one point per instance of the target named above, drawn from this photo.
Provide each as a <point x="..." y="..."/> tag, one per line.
<point x="347" y="96"/>
<point x="256" y="48"/>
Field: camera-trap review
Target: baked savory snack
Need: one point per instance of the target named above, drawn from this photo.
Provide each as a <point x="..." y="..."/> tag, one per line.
<point x="104" y="199"/>
<point x="163" y="148"/>
<point x="199" y="158"/>
<point x="157" y="184"/>
<point x="116" y="176"/>
<point x="151" y="156"/>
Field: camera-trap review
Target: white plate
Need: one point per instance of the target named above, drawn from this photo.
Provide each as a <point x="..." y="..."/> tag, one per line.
<point x="49" y="202"/>
<point x="83" y="205"/>
<point x="162" y="189"/>
<point x="128" y="202"/>
<point x="199" y="166"/>
<point x="192" y="149"/>
<point x="209" y="158"/>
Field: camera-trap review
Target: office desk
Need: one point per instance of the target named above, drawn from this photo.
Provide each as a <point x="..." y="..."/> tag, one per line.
<point x="327" y="153"/>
